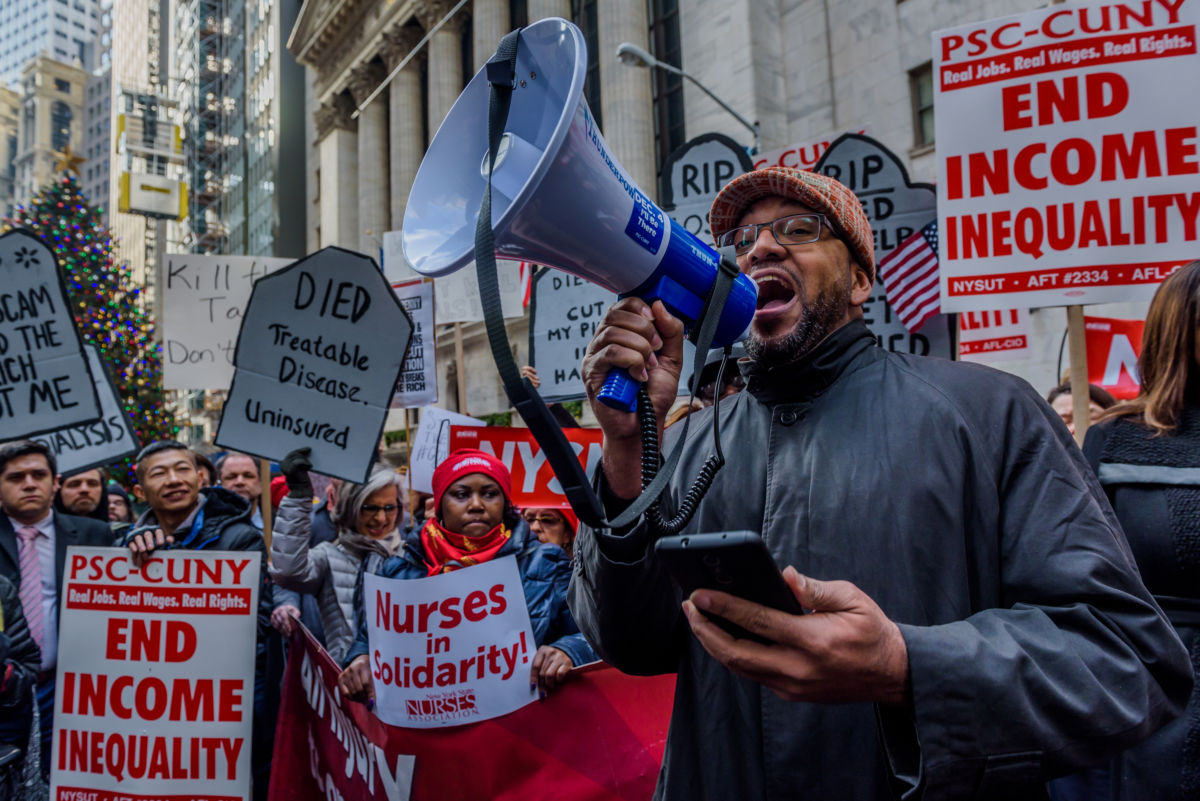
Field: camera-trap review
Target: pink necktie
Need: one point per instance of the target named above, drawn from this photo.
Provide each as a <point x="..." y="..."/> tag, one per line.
<point x="31" y="584"/>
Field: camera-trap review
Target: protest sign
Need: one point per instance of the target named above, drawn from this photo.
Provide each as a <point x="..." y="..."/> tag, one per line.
<point x="452" y="648"/>
<point x="418" y="376"/>
<point x="1113" y="348"/>
<point x="801" y="156"/>
<point x="456" y="296"/>
<point x="1067" y="163"/>
<point x="993" y="336"/>
<point x="82" y="447"/>
<point x="318" y="355"/>
<point x="695" y="172"/>
<point x="203" y="300"/>
<point x="563" y="315"/>
<point x="432" y="444"/>
<point x="896" y="207"/>
<point x="45" y="382"/>
<point x="598" y="737"/>
<point x="155" y="692"/>
<point x="533" y="480"/>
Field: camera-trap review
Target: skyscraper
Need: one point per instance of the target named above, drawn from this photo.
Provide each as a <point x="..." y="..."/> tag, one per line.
<point x="64" y="30"/>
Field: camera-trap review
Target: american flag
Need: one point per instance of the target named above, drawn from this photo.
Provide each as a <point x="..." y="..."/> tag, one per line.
<point x="910" y="276"/>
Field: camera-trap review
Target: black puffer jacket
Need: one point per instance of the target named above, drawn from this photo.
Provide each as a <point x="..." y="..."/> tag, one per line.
<point x="951" y="495"/>
<point x="19" y="655"/>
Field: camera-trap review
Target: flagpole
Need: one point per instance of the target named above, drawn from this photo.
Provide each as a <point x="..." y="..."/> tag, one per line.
<point x="1080" y="397"/>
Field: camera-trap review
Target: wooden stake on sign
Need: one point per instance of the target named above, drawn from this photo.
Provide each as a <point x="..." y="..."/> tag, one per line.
<point x="460" y="369"/>
<point x="1077" y="342"/>
<point x="264" y="499"/>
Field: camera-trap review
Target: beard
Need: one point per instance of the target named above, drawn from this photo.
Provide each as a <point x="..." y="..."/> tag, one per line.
<point x="816" y="322"/>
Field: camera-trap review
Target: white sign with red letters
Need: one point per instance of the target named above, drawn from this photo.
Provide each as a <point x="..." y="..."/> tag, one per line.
<point x="1067" y="153"/>
<point x="449" y="649"/>
<point x="155" y="689"/>
<point x="993" y="336"/>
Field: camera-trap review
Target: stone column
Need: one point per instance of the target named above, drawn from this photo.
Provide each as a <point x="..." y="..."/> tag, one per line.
<point x="445" y="60"/>
<point x="373" y="196"/>
<point x="625" y="96"/>
<point x="540" y="9"/>
<point x="406" y="127"/>
<point x="489" y="23"/>
<point x="337" y="147"/>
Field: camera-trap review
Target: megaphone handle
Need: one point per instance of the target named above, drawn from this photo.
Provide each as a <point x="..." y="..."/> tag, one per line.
<point x="619" y="391"/>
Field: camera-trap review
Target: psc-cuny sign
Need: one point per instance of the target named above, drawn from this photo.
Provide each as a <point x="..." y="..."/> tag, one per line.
<point x="155" y="677"/>
<point x="318" y="355"/>
<point x="450" y="649"/>
<point x="1067" y="153"/>
<point x="45" y="382"/>
<point x="204" y="298"/>
<point x="81" y="447"/>
<point x="993" y="336"/>
<point x="896" y="207"/>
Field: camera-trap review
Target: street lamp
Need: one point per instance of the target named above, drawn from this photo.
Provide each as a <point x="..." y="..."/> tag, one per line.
<point x="633" y="56"/>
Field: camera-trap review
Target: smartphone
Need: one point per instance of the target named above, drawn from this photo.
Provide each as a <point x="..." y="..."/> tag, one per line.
<point x="736" y="562"/>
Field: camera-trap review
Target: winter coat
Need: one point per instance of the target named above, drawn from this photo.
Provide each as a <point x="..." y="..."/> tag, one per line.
<point x="951" y="495"/>
<point x="328" y="571"/>
<point x="19" y="655"/>
<point x="1153" y="482"/>
<point x="545" y="572"/>
<point x="226" y="526"/>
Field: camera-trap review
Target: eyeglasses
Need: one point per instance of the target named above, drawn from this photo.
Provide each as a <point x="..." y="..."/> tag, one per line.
<point x="794" y="229"/>
<point x="545" y="520"/>
<point x="370" y="508"/>
<point x="708" y="392"/>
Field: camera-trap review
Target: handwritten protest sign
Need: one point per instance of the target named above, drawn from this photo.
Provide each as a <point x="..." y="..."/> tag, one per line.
<point x="695" y="172"/>
<point x="598" y="737"/>
<point x="432" y="444"/>
<point x="418" y="377"/>
<point x="155" y="690"/>
<point x="993" y="336"/>
<point x="1113" y="348"/>
<point x="533" y="480"/>
<point x="204" y="298"/>
<point x="45" y="382"/>
<point x="457" y="295"/>
<point x="1067" y="154"/>
<point x="449" y="649"/>
<point x="318" y="355"/>
<point x="564" y="312"/>
<point x="896" y="207"/>
<point x="81" y="447"/>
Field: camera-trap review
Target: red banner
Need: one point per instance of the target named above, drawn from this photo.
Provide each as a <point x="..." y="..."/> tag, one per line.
<point x="533" y="482"/>
<point x="1113" y="348"/>
<point x="600" y="737"/>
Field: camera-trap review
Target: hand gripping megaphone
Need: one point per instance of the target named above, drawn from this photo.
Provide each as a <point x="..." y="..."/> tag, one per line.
<point x="559" y="198"/>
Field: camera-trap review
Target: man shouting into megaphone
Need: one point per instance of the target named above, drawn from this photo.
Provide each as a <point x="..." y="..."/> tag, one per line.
<point x="977" y="624"/>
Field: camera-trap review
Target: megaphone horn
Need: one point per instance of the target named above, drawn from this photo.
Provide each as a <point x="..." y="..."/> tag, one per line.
<point x="559" y="198"/>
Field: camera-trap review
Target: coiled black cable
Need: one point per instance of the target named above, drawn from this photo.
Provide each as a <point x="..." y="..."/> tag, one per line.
<point x="659" y="526"/>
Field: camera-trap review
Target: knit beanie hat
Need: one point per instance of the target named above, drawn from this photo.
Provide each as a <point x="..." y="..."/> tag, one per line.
<point x="465" y="462"/>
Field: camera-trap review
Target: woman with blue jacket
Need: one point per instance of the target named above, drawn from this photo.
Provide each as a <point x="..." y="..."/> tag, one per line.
<point x="474" y="521"/>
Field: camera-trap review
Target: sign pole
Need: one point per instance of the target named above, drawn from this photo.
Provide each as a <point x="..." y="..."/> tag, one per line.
<point x="460" y="371"/>
<point x="1077" y="342"/>
<point x="264" y="499"/>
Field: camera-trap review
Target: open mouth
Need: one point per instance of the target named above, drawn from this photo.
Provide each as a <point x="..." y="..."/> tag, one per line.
<point x="774" y="293"/>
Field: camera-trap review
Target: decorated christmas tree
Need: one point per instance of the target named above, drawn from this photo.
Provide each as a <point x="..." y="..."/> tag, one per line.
<point x="109" y="307"/>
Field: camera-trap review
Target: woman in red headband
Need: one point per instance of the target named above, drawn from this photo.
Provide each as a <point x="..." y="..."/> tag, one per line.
<point x="474" y="521"/>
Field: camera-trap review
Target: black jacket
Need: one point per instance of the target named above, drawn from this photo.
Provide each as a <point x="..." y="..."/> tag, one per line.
<point x="19" y="655"/>
<point x="953" y="497"/>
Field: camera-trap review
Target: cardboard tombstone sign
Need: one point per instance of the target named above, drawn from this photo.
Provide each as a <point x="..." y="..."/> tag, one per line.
<point x="45" y="381"/>
<point x="320" y="350"/>
<point x="87" y="445"/>
<point x="897" y="208"/>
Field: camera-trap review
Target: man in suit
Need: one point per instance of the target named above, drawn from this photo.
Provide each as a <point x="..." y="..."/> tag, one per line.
<point x="33" y="551"/>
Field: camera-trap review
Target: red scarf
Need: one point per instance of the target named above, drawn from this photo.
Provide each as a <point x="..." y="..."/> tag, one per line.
<point x="446" y="551"/>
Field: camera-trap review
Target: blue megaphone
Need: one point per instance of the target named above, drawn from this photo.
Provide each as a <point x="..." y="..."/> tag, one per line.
<point x="559" y="198"/>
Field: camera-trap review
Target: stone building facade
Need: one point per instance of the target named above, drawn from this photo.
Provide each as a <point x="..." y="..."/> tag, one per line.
<point x="804" y="70"/>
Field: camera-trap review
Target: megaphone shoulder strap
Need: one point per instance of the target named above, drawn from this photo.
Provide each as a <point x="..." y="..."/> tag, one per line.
<point x="501" y="74"/>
